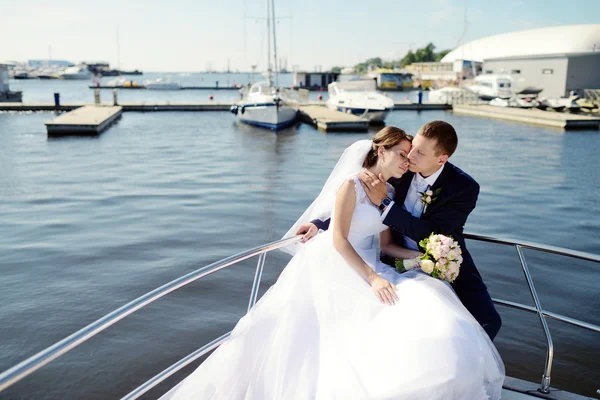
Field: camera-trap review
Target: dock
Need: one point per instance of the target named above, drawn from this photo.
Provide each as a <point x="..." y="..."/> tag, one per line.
<point x="410" y="106"/>
<point x="138" y="106"/>
<point x="530" y="116"/>
<point x="176" y="106"/>
<point x="181" y="88"/>
<point x="332" y="120"/>
<point x="188" y="106"/>
<point x="87" y="120"/>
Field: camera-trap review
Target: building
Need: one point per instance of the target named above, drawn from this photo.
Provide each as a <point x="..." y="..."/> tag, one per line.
<point x="445" y="71"/>
<point x="556" y="59"/>
<point x="5" y="93"/>
<point x="389" y="79"/>
<point x="314" y="80"/>
<point x="557" y="74"/>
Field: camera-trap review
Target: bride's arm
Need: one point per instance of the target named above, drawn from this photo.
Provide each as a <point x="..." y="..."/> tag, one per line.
<point x="387" y="245"/>
<point x="344" y="208"/>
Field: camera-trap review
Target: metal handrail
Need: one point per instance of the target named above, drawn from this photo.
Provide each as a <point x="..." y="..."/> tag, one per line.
<point x="536" y="246"/>
<point x="149" y="384"/>
<point x="35" y="362"/>
<point x="558" y="317"/>
<point x="519" y="246"/>
<point x="24" y="368"/>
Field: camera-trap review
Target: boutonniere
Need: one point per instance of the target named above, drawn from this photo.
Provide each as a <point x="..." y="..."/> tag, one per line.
<point x="429" y="196"/>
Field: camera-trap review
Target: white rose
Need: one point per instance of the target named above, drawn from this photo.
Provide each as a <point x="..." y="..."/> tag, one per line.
<point x="429" y="193"/>
<point x="411" y="263"/>
<point x="452" y="255"/>
<point x="428" y="199"/>
<point x="437" y="253"/>
<point x="427" y="266"/>
<point x="453" y="268"/>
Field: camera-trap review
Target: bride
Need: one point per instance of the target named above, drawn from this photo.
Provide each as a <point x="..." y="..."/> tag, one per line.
<point x="339" y="324"/>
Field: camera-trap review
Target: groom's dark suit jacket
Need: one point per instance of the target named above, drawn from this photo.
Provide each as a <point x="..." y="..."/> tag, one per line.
<point x="447" y="215"/>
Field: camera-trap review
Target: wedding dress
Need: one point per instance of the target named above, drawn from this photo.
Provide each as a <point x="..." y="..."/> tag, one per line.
<point x="321" y="333"/>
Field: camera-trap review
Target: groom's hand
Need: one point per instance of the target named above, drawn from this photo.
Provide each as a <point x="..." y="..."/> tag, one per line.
<point x="374" y="186"/>
<point x="308" y="230"/>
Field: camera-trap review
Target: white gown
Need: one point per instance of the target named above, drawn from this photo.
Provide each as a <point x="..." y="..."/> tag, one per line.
<point x="321" y="333"/>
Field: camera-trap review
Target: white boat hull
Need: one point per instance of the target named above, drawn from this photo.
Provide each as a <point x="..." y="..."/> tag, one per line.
<point x="359" y="98"/>
<point x="374" y="116"/>
<point x="266" y="115"/>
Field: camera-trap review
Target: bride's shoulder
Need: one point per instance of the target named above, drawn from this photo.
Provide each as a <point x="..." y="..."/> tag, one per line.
<point x="355" y="179"/>
<point x="352" y="184"/>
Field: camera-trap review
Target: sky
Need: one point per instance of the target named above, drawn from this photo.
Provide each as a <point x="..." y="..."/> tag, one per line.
<point x="197" y="35"/>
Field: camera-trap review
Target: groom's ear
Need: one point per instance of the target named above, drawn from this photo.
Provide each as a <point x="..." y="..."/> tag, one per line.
<point x="443" y="159"/>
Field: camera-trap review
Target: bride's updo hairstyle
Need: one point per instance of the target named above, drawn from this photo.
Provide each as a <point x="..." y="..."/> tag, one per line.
<point x="387" y="138"/>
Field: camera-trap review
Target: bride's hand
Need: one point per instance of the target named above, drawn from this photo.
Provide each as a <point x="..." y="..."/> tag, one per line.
<point x="308" y="230"/>
<point x="384" y="290"/>
<point x="374" y="186"/>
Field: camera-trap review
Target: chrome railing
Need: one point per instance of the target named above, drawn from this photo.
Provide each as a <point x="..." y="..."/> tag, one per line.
<point x="21" y="370"/>
<point x="519" y="246"/>
<point x="24" y="368"/>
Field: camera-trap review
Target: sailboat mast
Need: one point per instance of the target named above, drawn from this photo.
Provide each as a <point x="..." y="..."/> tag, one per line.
<point x="268" y="41"/>
<point x="274" y="43"/>
<point x="118" y="50"/>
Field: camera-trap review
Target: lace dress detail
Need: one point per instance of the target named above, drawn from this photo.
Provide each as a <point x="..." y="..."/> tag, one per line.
<point x="361" y="195"/>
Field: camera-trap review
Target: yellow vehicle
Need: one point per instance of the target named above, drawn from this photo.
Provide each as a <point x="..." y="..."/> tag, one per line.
<point x="392" y="80"/>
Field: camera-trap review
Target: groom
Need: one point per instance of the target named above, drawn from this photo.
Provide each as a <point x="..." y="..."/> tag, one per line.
<point x="455" y="195"/>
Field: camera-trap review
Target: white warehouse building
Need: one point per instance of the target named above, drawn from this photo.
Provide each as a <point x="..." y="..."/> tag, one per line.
<point x="557" y="59"/>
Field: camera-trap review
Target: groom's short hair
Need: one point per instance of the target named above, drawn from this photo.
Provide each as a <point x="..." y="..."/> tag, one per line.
<point x="443" y="133"/>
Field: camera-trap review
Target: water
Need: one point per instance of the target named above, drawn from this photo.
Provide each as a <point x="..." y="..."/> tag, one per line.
<point x="88" y="224"/>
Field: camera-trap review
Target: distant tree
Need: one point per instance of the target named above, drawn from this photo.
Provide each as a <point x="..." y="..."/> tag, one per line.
<point x="425" y="54"/>
<point x="336" y="70"/>
<point x="362" y="67"/>
<point x="408" y="59"/>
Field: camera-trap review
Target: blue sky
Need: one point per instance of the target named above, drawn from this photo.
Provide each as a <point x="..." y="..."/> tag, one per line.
<point x="189" y="36"/>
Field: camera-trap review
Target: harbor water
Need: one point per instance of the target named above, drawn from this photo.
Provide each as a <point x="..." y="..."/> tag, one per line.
<point x="89" y="224"/>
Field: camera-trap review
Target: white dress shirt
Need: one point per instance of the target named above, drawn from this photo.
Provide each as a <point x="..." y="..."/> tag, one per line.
<point x="412" y="202"/>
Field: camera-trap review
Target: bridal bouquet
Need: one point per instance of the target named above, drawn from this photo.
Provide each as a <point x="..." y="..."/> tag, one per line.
<point x="441" y="260"/>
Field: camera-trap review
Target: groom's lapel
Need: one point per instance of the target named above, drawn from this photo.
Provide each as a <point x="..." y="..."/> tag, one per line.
<point x="440" y="183"/>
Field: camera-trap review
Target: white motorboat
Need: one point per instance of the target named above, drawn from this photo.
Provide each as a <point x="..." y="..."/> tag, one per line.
<point x="490" y="86"/>
<point x="500" y="102"/>
<point x="162" y="84"/>
<point x="263" y="104"/>
<point x="516" y="102"/>
<point x="360" y="97"/>
<point x="524" y="102"/>
<point x="78" y="72"/>
<point x="451" y="95"/>
<point x="561" y="103"/>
